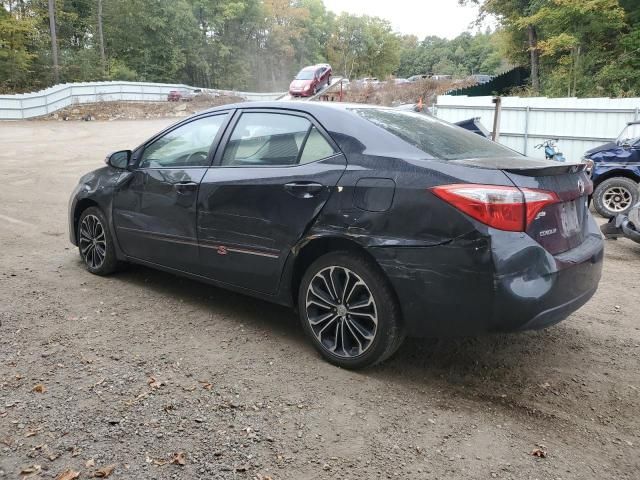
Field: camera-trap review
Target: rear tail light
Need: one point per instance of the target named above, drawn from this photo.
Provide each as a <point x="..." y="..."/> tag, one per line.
<point x="501" y="207"/>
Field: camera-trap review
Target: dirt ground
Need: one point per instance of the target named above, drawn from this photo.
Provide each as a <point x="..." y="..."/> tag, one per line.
<point x="168" y="378"/>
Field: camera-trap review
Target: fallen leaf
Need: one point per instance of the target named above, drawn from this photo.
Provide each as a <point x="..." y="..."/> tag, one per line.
<point x="90" y="463"/>
<point x="104" y="472"/>
<point x="179" y="458"/>
<point x="39" y="388"/>
<point x="205" y="384"/>
<point x="539" y="452"/>
<point x="68" y="475"/>
<point x="153" y="383"/>
<point x="31" y="469"/>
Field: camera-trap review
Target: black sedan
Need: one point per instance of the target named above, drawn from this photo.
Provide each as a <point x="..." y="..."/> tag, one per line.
<point x="373" y="223"/>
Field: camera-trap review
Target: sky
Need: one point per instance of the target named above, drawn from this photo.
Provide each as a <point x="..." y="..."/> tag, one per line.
<point x="444" y="18"/>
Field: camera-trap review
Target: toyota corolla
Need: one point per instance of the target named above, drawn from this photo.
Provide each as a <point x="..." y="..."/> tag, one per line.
<point x="372" y="223"/>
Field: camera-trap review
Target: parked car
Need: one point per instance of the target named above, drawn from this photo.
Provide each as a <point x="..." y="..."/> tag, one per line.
<point x="417" y="78"/>
<point x="370" y="82"/>
<point x="615" y="171"/>
<point x="375" y="223"/>
<point x="310" y="80"/>
<point x="481" y="78"/>
<point x="401" y="82"/>
<point x="184" y="95"/>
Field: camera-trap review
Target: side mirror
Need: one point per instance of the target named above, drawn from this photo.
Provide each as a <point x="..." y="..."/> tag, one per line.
<point x="119" y="159"/>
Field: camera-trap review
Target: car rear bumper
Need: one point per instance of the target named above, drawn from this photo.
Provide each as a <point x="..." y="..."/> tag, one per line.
<point x="502" y="282"/>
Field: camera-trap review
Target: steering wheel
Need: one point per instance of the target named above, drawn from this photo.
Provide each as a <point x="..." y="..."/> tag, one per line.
<point x="200" y="156"/>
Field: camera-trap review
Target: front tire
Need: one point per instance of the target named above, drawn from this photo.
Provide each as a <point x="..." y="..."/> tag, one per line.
<point x="615" y="196"/>
<point x="349" y="310"/>
<point x="95" y="242"/>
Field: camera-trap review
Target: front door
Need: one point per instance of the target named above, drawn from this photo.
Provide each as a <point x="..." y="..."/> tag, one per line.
<point x="154" y="207"/>
<point x="276" y="173"/>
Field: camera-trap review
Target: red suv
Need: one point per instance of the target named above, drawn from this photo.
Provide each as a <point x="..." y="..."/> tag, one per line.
<point x="310" y="80"/>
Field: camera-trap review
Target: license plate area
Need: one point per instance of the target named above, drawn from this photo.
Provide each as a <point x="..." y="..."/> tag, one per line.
<point x="569" y="219"/>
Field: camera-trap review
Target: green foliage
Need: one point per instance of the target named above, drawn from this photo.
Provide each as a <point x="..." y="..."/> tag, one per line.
<point x="15" y="56"/>
<point x="463" y="56"/>
<point x="583" y="47"/>
<point x="586" y="47"/>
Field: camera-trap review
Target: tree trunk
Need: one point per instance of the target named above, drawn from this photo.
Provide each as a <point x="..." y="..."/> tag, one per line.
<point x="103" y="57"/>
<point x="535" y="58"/>
<point x="54" y="41"/>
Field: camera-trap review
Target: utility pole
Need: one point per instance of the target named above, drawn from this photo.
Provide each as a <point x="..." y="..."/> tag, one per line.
<point x="103" y="57"/>
<point x="54" y="41"/>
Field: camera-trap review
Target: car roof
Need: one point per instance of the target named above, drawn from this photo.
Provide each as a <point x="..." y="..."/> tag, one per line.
<point x="300" y="106"/>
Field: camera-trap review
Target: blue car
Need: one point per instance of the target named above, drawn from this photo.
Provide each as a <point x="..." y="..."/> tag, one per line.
<point x="615" y="171"/>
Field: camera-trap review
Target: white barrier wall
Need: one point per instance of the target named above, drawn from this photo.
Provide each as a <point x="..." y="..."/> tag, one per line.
<point x="579" y="123"/>
<point x="29" y="105"/>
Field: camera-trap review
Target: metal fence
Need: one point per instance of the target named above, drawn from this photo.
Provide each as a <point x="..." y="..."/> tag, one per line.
<point x="29" y="105"/>
<point x="579" y="124"/>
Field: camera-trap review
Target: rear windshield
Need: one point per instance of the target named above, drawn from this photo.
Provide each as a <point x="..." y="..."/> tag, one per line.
<point x="435" y="137"/>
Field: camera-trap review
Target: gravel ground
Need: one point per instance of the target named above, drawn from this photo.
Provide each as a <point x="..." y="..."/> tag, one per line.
<point x="168" y="378"/>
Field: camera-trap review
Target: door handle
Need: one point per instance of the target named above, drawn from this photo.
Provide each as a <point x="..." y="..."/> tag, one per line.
<point x="304" y="189"/>
<point x="184" y="187"/>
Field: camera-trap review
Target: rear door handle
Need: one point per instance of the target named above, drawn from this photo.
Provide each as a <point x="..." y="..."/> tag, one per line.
<point x="304" y="189"/>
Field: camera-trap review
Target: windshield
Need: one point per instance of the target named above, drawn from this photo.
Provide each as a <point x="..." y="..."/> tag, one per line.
<point x="630" y="135"/>
<point x="305" y="75"/>
<point x="435" y="137"/>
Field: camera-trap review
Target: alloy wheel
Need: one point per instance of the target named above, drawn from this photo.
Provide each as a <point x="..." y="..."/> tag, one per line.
<point x="341" y="312"/>
<point x="617" y="199"/>
<point x="93" y="242"/>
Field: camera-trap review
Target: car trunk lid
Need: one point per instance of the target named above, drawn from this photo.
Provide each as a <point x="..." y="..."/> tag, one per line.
<point x="561" y="225"/>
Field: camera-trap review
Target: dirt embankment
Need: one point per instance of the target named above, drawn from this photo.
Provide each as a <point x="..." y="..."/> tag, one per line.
<point x="139" y="110"/>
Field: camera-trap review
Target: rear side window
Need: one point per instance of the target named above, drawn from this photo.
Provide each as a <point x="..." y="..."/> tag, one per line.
<point x="432" y="136"/>
<point x="274" y="139"/>
<point x="316" y="147"/>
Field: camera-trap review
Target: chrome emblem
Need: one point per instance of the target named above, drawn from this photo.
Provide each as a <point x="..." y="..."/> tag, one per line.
<point x="581" y="187"/>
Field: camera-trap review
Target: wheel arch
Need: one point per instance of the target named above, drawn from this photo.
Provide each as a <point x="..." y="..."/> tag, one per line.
<point x="312" y="249"/>
<point x="616" y="173"/>
<point x="81" y="206"/>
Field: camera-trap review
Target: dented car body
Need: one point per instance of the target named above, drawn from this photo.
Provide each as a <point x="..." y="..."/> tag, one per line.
<point x="471" y="237"/>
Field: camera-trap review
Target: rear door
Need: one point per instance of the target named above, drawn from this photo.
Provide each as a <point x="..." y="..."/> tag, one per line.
<point x="266" y="188"/>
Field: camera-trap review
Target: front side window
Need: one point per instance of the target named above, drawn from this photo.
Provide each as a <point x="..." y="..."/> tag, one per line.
<point x="186" y="146"/>
<point x="274" y="139"/>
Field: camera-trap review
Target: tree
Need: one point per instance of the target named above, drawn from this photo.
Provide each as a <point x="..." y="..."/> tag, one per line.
<point x="54" y="41"/>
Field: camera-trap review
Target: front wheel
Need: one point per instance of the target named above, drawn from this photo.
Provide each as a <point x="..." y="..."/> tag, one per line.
<point x="349" y="310"/>
<point x="615" y="196"/>
<point x="95" y="242"/>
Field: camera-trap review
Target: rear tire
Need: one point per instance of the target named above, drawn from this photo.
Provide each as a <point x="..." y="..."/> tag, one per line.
<point x="615" y="196"/>
<point x="349" y="310"/>
<point x="95" y="243"/>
